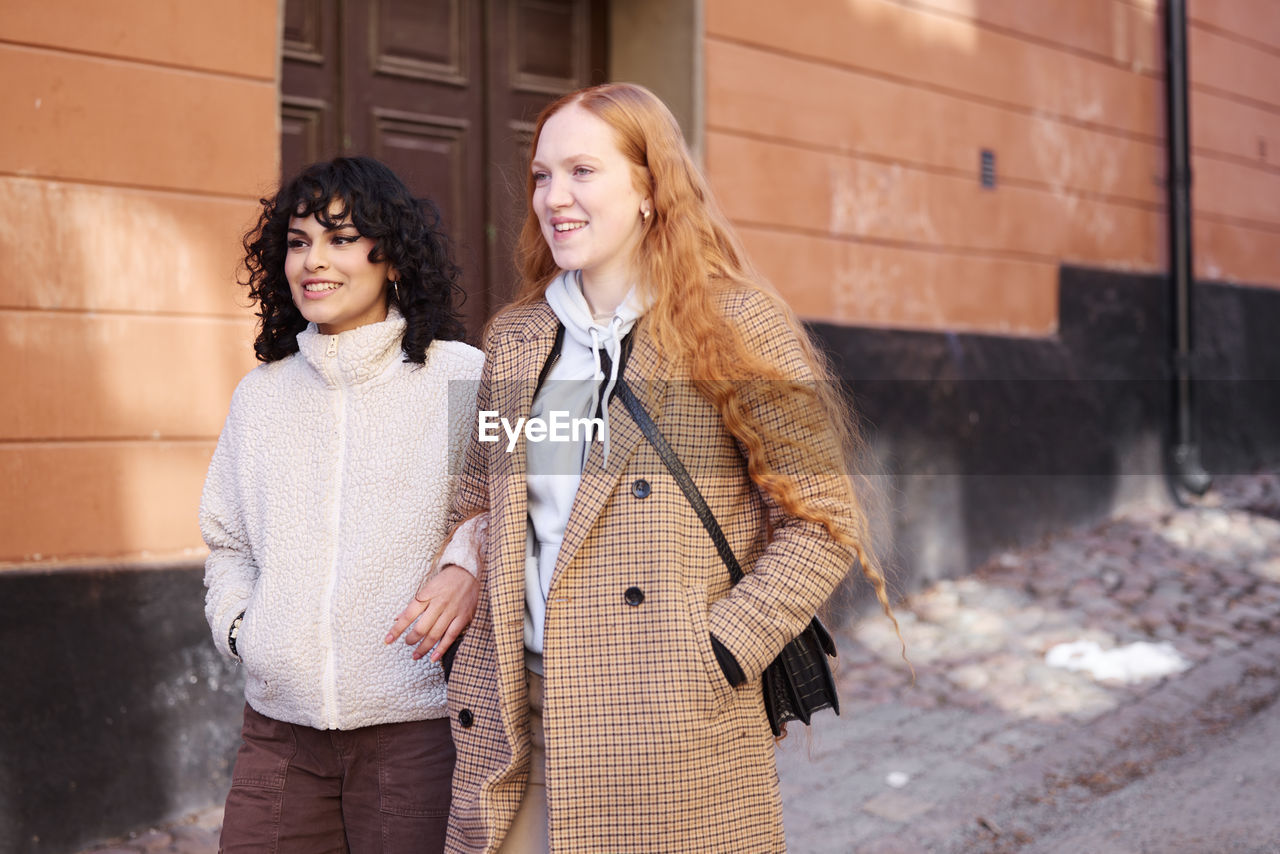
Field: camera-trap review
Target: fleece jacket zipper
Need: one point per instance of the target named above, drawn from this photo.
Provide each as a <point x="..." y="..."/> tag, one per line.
<point x="329" y="684"/>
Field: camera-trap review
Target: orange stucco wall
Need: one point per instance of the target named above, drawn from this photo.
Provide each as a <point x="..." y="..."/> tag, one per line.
<point x="842" y="136"/>
<point x="844" y="139"/>
<point x="1235" y="139"/>
<point x="137" y="141"/>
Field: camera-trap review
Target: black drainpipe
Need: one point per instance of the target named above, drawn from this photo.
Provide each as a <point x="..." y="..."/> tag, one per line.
<point x="1187" y="471"/>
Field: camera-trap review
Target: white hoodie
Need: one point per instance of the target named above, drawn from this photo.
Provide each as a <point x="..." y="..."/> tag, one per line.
<point x="573" y="385"/>
<point x="325" y="501"/>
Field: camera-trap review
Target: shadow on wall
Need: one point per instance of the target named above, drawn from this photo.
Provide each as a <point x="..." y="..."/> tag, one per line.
<point x="128" y="346"/>
<point x="128" y="339"/>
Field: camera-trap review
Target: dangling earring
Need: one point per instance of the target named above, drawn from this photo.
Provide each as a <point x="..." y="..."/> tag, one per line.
<point x="395" y="286"/>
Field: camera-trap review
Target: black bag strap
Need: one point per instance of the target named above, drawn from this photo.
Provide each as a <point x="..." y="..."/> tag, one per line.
<point x="672" y="461"/>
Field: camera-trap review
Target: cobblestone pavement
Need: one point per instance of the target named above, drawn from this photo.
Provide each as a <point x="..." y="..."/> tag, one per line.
<point x="989" y="747"/>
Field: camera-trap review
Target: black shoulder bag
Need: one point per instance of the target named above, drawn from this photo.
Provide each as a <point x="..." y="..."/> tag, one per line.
<point x="798" y="682"/>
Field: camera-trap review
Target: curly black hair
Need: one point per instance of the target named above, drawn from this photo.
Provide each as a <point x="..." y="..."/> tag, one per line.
<point x="406" y="231"/>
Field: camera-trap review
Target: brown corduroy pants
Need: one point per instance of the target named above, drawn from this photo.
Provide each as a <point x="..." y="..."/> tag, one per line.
<point x="380" y="789"/>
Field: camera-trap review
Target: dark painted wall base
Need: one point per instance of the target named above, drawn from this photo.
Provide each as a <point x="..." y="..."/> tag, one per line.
<point x="118" y="711"/>
<point x="982" y="442"/>
<point x="1238" y="365"/>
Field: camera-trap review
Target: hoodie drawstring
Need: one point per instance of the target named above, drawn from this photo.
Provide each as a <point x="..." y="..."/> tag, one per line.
<point x="583" y="332"/>
<point x="614" y="349"/>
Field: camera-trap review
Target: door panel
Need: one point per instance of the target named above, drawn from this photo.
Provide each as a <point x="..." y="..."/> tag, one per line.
<point x="415" y="89"/>
<point x="302" y="131"/>
<point x="426" y="151"/>
<point x="310" y="93"/>
<point x="427" y="40"/>
<point x="551" y="47"/>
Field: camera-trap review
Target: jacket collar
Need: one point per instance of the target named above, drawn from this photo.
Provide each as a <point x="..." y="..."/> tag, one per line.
<point x="355" y="356"/>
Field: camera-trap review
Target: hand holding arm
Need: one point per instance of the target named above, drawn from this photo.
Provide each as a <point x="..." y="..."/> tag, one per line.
<point x="445" y="602"/>
<point x="438" y="613"/>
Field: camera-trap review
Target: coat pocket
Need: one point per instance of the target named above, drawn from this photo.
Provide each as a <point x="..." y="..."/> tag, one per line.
<point x="720" y="691"/>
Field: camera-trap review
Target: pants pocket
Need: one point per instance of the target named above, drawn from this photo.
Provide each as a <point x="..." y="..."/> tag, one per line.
<point x="415" y="768"/>
<point x="267" y="748"/>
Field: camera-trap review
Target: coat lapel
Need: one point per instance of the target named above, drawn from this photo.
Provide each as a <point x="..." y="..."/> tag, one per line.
<point x="599" y="481"/>
<point x="514" y="383"/>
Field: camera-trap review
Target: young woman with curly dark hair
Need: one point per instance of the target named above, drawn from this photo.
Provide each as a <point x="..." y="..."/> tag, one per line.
<point x="325" y="502"/>
<point x="407" y="235"/>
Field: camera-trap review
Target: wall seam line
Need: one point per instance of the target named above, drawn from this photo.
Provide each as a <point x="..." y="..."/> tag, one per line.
<point x="136" y="62"/>
<point x="1038" y="40"/>
<point x="945" y="171"/>
<point x="958" y="94"/>
<point x="905" y="245"/>
<point x="177" y="192"/>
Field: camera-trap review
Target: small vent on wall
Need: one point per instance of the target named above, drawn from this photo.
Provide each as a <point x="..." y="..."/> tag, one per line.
<point x="987" y="170"/>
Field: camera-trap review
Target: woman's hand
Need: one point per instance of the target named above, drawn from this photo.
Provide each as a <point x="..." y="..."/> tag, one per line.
<point x="438" y="613"/>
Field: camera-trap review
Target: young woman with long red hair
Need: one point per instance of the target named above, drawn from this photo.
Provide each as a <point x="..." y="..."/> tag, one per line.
<point x="607" y="695"/>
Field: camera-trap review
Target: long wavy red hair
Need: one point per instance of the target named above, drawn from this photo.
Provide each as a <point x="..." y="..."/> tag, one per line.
<point x="687" y="256"/>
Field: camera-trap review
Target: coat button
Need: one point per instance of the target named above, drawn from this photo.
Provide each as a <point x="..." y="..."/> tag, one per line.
<point x="466" y="718"/>
<point x="640" y="489"/>
<point x="633" y="596"/>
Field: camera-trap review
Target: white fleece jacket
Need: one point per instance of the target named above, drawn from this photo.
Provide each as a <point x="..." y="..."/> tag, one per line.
<point x="326" y="501"/>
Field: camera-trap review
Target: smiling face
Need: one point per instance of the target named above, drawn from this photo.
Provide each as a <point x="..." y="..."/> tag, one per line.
<point x="585" y="198"/>
<point x="332" y="280"/>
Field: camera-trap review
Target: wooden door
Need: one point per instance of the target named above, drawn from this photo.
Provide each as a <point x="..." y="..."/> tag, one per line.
<point x="552" y="47"/>
<point x="445" y="92"/>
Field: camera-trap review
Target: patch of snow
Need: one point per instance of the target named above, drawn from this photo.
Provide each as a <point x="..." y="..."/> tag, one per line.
<point x="1134" y="662"/>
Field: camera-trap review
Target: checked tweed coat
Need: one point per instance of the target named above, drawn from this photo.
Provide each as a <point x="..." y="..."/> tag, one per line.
<point x="648" y="748"/>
